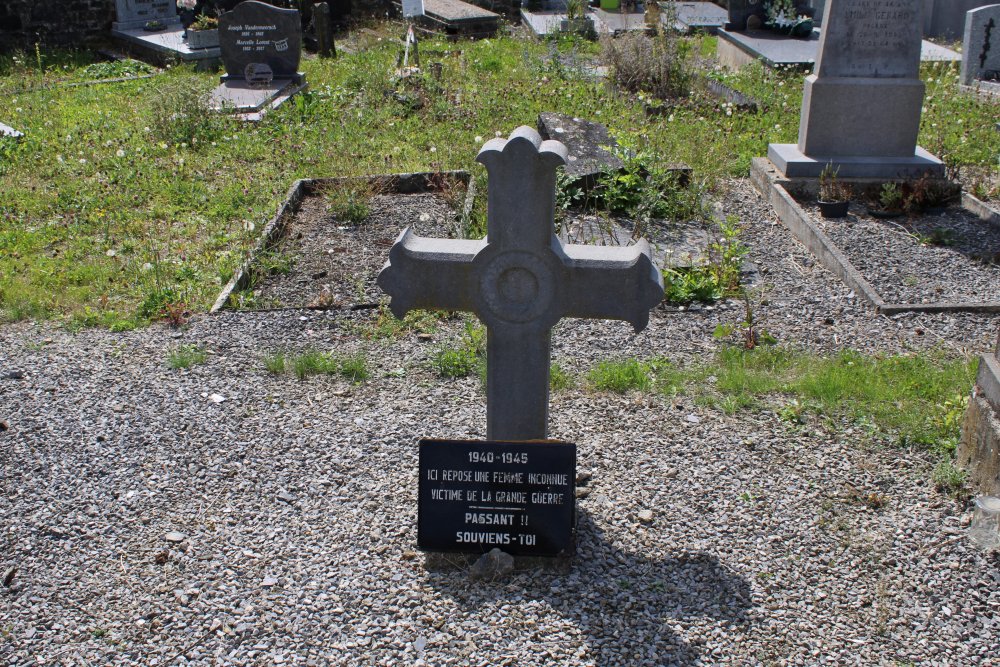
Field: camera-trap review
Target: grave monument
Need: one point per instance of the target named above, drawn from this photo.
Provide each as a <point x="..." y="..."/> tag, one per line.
<point x="981" y="50"/>
<point x="519" y="280"/>
<point x="261" y="48"/>
<point x="154" y="28"/>
<point x="861" y="107"/>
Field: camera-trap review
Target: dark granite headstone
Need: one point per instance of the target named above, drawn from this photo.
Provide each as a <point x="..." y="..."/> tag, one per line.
<point x="255" y="33"/>
<point x="515" y="496"/>
<point x="134" y="14"/>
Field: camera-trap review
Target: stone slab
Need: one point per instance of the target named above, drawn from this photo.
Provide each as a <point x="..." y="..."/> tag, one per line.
<point x="547" y="21"/>
<point x="736" y="49"/>
<point x="587" y="143"/>
<point x="681" y="245"/>
<point x="691" y="16"/>
<point x="981" y="45"/>
<point x="860" y="116"/>
<point x="8" y="131"/>
<point x="251" y="101"/>
<point x="168" y="43"/>
<point x="456" y="11"/>
<point x="793" y="163"/>
<point x="135" y="14"/>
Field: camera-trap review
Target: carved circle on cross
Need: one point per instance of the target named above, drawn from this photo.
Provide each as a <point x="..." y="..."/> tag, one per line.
<point x="516" y="286"/>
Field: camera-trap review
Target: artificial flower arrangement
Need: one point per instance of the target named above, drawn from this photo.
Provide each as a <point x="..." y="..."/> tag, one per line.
<point x="782" y="16"/>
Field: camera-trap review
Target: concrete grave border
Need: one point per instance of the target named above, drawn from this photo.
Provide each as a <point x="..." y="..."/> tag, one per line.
<point x="407" y="183"/>
<point x="774" y="188"/>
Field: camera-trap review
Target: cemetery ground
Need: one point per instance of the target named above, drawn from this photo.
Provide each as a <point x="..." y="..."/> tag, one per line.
<point x="240" y="489"/>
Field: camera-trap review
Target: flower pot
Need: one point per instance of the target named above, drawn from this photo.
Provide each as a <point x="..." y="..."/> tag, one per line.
<point x="885" y="212"/>
<point x="833" y="209"/>
<point x="202" y="39"/>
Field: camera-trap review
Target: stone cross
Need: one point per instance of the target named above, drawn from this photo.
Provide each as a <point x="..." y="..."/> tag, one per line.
<point x="520" y="280"/>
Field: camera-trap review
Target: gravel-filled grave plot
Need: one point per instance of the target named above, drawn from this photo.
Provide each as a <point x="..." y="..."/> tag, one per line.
<point x="324" y="261"/>
<point x="951" y="256"/>
<point x="228" y="515"/>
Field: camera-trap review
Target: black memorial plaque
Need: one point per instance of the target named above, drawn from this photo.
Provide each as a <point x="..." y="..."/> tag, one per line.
<point x="515" y="496"/>
<point x="255" y="33"/>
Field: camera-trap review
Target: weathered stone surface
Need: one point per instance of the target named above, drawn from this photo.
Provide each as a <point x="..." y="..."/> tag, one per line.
<point x="133" y="14"/>
<point x="979" y="448"/>
<point x="587" y="143"/>
<point x="706" y="16"/>
<point x="871" y="39"/>
<point x="521" y="280"/>
<point x="981" y="45"/>
<point x="257" y="33"/>
<point x="861" y="108"/>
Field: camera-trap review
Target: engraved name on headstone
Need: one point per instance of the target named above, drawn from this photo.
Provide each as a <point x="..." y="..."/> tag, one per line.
<point x="520" y="280"/>
<point x="871" y="38"/>
<point x="256" y="33"/>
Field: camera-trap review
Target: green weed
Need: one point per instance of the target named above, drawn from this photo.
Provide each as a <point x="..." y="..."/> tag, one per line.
<point x="186" y="356"/>
<point x="467" y="358"/>
<point x="313" y="362"/>
<point x="947" y="478"/>
<point x="560" y="378"/>
<point x="275" y="363"/>
<point x="621" y="376"/>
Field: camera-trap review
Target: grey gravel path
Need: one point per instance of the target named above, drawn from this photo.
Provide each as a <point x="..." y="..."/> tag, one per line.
<point x="151" y="524"/>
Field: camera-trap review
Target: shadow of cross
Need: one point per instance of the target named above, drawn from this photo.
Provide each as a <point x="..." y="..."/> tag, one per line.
<point x="520" y="280"/>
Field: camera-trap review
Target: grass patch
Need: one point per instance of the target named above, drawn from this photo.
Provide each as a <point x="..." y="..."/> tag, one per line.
<point x="113" y="178"/>
<point x="186" y="356"/>
<point x="560" y="379"/>
<point x="621" y="376"/>
<point x="313" y="362"/>
<point x="467" y="358"/>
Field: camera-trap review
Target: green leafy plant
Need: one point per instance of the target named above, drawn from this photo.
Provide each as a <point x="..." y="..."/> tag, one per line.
<point x="948" y="478"/>
<point x="275" y="363"/>
<point x="750" y="329"/>
<point x="204" y="22"/>
<point x="350" y="201"/>
<point x="714" y="278"/>
<point x="890" y="197"/>
<point x="186" y="356"/>
<point x="467" y="358"/>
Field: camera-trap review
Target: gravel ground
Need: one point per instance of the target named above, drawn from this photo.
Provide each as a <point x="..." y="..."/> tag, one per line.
<point x="948" y="256"/>
<point x="290" y="505"/>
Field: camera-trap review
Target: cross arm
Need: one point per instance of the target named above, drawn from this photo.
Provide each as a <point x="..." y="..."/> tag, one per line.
<point x="429" y="273"/>
<point x="615" y="283"/>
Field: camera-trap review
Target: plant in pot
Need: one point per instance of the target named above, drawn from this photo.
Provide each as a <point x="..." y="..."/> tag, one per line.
<point x="834" y="196"/>
<point x="203" y="33"/>
<point x="889" y="203"/>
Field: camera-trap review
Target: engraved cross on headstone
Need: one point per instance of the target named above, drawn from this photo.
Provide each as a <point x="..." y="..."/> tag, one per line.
<point x="520" y="280"/>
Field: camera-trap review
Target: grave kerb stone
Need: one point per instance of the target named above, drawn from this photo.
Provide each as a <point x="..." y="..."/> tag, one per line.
<point x="520" y="280"/>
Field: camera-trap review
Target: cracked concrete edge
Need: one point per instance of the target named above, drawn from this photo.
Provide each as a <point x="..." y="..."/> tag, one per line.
<point x="275" y="228"/>
<point x="771" y="184"/>
<point x="985" y="212"/>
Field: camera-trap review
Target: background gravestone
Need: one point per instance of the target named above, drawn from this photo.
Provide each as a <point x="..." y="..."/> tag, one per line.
<point x="134" y="14"/>
<point x="946" y="18"/>
<point x="740" y="12"/>
<point x="255" y="33"/>
<point x="981" y="46"/>
<point x="861" y="107"/>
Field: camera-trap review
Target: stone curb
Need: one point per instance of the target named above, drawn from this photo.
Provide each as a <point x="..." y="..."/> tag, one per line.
<point x="767" y="181"/>
<point x="275" y="228"/>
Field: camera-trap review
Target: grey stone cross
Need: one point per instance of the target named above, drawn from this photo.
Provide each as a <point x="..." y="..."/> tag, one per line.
<point x="520" y="280"/>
